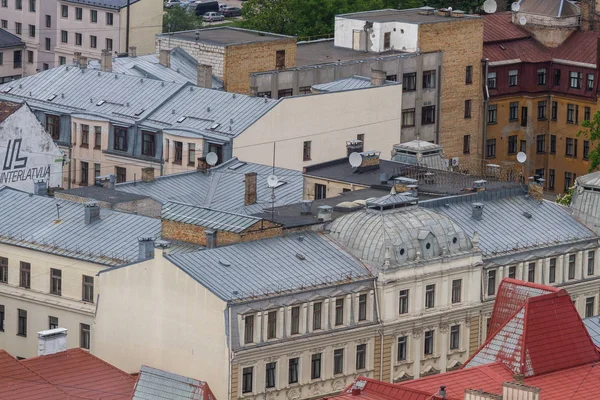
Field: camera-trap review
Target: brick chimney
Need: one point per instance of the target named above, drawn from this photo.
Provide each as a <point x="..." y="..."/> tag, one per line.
<point x="211" y="238"/>
<point x="164" y="58"/>
<point x="377" y="77"/>
<point x="148" y="174"/>
<point x="535" y="189"/>
<point x="106" y="61"/>
<point x="250" y="188"/>
<point x="132" y="51"/>
<point x="76" y="57"/>
<point x="204" y="76"/>
<point x="91" y="212"/>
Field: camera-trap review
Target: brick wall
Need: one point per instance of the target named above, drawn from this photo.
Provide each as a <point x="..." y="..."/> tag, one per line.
<point x="203" y="53"/>
<point x="461" y="41"/>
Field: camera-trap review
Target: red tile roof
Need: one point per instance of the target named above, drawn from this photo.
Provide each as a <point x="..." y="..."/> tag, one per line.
<point x="579" y="47"/>
<point x="377" y="390"/>
<point x="526" y="50"/>
<point x="499" y="28"/>
<point x="8" y="108"/>
<point x="19" y="383"/>
<point x="581" y="382"/>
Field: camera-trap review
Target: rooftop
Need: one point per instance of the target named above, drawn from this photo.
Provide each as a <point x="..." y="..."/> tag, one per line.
<point x="272" y="266"/>
<point x="114" y="4"/>
<point x="592" y="324"/>
<point x="222" y="188"/>
<point x="324" y="52"/>
<point x="225" y="36"/>
<point x="104" y="195"/>
<point x="351" y="83"/>
<point x="32" y="222"/>
<point x="208" y="218"/>
<point x="550" y="8"/>
<point x="155" y="384"/>
<point x="410" y="16"/>
<point x="9" y="40"/>
<point x="498" y="27"/>
<point x="8" y="108"/>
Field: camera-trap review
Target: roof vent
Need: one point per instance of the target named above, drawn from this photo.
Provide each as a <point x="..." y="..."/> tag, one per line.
<point x="527" y="214"/>
<point x="100" y="102"/>
<point x="173" y="111"/>
<point x="207" y="109"/>
<point x="305" y="207"/>
<point x="52" y="97"/>
<point x="478" y="211"/>
<point x="301" y="238"/>
<point x="324" y="213"/>
<point x="300" y="256"/>
<point x="224" y="263"/>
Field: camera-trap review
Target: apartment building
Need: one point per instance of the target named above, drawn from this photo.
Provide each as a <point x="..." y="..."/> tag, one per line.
<point x="53" y="30"/>
<point x="11" y="56"/>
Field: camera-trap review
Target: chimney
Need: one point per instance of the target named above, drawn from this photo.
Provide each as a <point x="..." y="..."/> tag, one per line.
<point x="132" y="51"/>
<point x="148" y="174"/>
<point x="76" y="57"/>
<point x="519" y="379"/>
<point x="535" y="189"/>
<point x="202" y="164"/>
<point x="370" y="159"/>
<point x="211" y="238"/>
<point x="164" y="58"/>
<point x="442" y="392"/>
<point x="354" y="146"/>
<point x="377" y="77"/>
<point x="401" y="184"/>
<point x="253" y="91"/>
<point x="412" y="190"/>
<point x="91" y="212"/>
<point x="250" y="188"/>
<point x="479" y="185"/>
<point x="478" y="211"/>
<point x="83" y="62"/>
<point x="356" y="391"/>
<point x="518" y="390"/>
<point x="324" y="213"/>
<point x="40" y="188"/>
<point x="106" y="61"/>
<point x="146" y="248"/>
<point x="51" y="341"/>
<point x="205" y="76"/>
<point x="306" y="207"/>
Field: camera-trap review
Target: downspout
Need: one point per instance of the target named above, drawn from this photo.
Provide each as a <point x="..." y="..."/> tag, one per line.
<point x="70" y="164"/>
<point x="230" y="354"/>
<point x="486" y="98"/>
<point x="127" y="33"/>
<point x="547" y="163"/>
<point x="380" y="331"/>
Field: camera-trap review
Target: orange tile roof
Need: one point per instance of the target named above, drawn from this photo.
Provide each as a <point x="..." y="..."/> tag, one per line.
<point x="19" y="383"/>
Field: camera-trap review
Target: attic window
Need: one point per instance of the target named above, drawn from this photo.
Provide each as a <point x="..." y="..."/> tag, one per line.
<point x="137" y="114"/>
<point x="401" y="252"/>
<point x="454" y="240"/>
<point x="180" y="120"/>
<point x="51" y="97"/>
<point x="100" y="102"/>
<point x="8" y="89"/>
<point x="214" y="126"/>
<point x="237" y="166"/>
<point x="428" y="246"/>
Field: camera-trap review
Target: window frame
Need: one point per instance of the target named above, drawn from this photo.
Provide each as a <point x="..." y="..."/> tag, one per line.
<point x="468" y="75"/>
<point x="429" y="79"/>
<point x="338" y="361"/>
<point x="491" y="282"/>
<point x="467" y="109"/>
<point x="428" y="343"/>
<point x="409" y="82"/>
<point x="87" y="288"/>
<point x="456" y="291"/>
<point x="339" y="311"/>
<point x="552" y="270"/>
<point x="361" y="356"/>
<point x="315" y="366"/>
<point x="247" y="379"/>
<point x="513" y="77"/>
<point x="270" y="375"/>
<point x="492" y="114"/>
<point x="293" y="370"/>
<point x="403" y="301"/>
<point x="571" y="261"/>
<point x="56" y="281"/>
<point x="591" y="263"/>
<point x="590" y="303"/>
<point x="317" y="316"/>
<point x="306" y="150"/>
<point x="362" y="307"/>
<point x="408" y="115"/>
<point x="455" y="337"/>
<point x="401" y="348"/>
<point x="428" y="115"/>
<point x="85" y="336"/>
<point x="490" y="148"/>
<point x="3" y="270"/>
<point x="430" y="296"/>
<point x="248" y="329"/>
<point x="541" y="76"/>
<point x="21" y="322"/>
<point x="295" y="320"/>
<point x="148" y="144"/>
<point x="492" y="81"/>
<point x="25" y="275"/>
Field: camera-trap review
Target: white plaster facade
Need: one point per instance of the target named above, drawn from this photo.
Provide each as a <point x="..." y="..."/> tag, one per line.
<point x="349" y="31"/>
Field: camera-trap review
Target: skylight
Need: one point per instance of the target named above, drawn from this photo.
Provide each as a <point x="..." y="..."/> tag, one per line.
<point x="100" y="102"/>
<point x="52" y="97"/>
<point x="214" y="126"/>
<point x="237" y="166"/>
<point x="180" y="120"/>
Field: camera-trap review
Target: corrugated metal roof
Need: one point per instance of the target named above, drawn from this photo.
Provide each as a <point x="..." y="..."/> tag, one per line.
<point x="551" y="8"/>
<point x="31" y="221"/>
<point x="114" y="4"/>
<point x="223" y="188"/>
<point x="9" y="40"/>
<point x="156" y="384"/>
<point x="526" y="50"/>
<point x="208" y="218"/>
<point x="392" y="199"/>
<point x="351" y="83"/>
<point x="579" y="47"/>
<point x="592" y="324"/>
<point x="271" y="266"/>
<point x="498" y="27"/>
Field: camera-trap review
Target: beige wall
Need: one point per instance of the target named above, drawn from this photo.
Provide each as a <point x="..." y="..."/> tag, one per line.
<point x="170" y="322"/>
<point x="334" y="188"/>
<point x="328" y="121"/>
<point x="170" y="167"/>
<point x="7" y="69"/>
<point x="145" y="24"/>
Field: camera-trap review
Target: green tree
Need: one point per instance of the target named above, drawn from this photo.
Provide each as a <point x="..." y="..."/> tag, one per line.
<point x="565" y="199"/>
<point x="273" y="16"/>
<point x="178" y="19"/>
<point x="592" y="132"/>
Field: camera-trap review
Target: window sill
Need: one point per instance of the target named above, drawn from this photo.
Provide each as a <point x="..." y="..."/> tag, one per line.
<point x="429" y="357"/>
<point x="513" y="120"/>
<point x="456" y="351"/>
<point x="427" y="123"/>
<point x="542" y="119"/>
<point x="493" y="123"/>
<point x="177" y="162"/>
<point x="85" y="146"/>
<point x="191" y="164"/>
<point x="490" y="157"/>
<point x="97" y="147"/>
<point x="466" y="152"/>
<point x="21" y="335"/>
<point x="306" y="159"/>
<point x="408" y="126"/>
<point x="469" y="117"/>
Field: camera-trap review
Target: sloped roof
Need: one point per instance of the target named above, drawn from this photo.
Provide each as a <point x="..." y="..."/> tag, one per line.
<point x="212" y="219"/>
<point x="579" y="47"/>
<point x="498" y="27"/>
<point x="527" y="50"/>
<point x="550" y="8"/>
<point x="9" y="40"/>
<point x="592" y="324"/>
<point x="350" y="83"/>
<point x="17" y="382"/>
<point x="372" y="389"/>
<point x="8" y="108"/>
<point x="155" y="384"/>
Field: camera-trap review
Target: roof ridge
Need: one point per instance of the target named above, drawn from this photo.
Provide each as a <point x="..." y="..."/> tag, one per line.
<point x="214" y="210"/>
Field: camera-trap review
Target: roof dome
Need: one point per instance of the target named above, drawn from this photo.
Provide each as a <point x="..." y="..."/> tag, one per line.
<point x="407" y="234"/>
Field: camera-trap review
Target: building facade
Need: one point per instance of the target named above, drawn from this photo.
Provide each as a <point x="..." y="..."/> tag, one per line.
<point x="11" y="56"/>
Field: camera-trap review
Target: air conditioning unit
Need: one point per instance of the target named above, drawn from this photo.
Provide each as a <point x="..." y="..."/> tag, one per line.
<point x="455" y="161"/>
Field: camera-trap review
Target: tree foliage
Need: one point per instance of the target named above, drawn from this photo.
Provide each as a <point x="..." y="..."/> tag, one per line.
<point x="178" y="19"/>
<point x="565" y="199"/>
<point x="592" y="132"/>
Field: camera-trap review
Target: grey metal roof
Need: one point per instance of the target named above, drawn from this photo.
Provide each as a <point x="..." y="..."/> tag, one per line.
<point x="591" y="180"/>
<point x="9" y="40"/>
<point x="592" y="324"/>
<point x="224" y="36"/>
<point x="351" y="83"/>
<point x="102" y="194"/>
<point x="392" y="199"/>
<point x="222" y="188"/>
<point x="155" y="384"/>
<point x="511" y="221"/>
<point x="271" y="266"/>
<point x="412" y="15"/>
<point x="31" y="221"/>
<point x="551" y="8"/>
<point x="208" y="218"/>
<point x="114" y="4"/>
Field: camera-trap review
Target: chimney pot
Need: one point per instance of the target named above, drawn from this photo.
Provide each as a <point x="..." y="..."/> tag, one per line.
<point x="164" y="58"/>
<point x="91" y="212"/>
<point x="148" y="174"/>
<point x="132" y="51"/>
<point x="306" y="206"/>
<point x="442" y="392"/>
<point x="83" y="62"/>
<point x="106" y="61"/>
<point x="535" y="189"/>
<point x="325" y="213"/>
<point x="478" y="211"/>
<point x="377" y="77"/>
<point x="250" y="188"/>
<point x="204" y="76"/>
<point x="354" y="146"/>
<point x="146" y="248"/>
<point x="519" y="378"/>
<point x="480" y="185"/>
<point x="253" y="91"/>
<point x="40" y="188"/>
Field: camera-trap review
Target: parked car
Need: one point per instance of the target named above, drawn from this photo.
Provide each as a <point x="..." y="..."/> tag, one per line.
<point x="171" y="3"/>
<point x="212" y="17"/>
<point x="222" y="7"/>
<point x="205" y="7"/>
<point x="232" y="12"/>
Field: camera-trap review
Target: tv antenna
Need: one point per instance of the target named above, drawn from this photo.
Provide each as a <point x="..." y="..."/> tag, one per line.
<point x="212" y="158"/>
<point x="515" y="6"/>
<point x="355" y="159"/>
<point x="490" y="6"/>
<point x="523" y="20"/>
<point x="521" y="157"/>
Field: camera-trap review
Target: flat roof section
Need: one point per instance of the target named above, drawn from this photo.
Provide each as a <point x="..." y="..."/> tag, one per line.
<point x="411" y="16"/>
<point x="324" y="52"/>
<point x="226" y="36"/>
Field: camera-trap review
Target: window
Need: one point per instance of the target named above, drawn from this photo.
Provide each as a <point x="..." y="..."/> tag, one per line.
<point x="25" y="275"/>
<point x="512" y="144"/>
<point x="428" y="115"/>
<point x="109" y="44"/>
<point x="191" y="154"/>
<point x="567" y="180"/>
<point x="362" y="307"/>
<point x="178" y="152"/>
<point x="339" y="311"/>
<point x="466" y="144"/>
<point x="408" y="117"/>
<point x="361" y="137"/>
<point x="523" y="116"/>
<point x="569" y="147"/>
<point x="53" y="126"/>
<point x="403" y="305"/>
<point x="315" y="366"/>
<point x="272" y="325"/>
<point x="22" y="322"/>
<point x="402" y="348"/>
<point x="30" y="56"/>
<point x="468" y="75"/>
<point x="539" y="172"/>
<point x="589" y="307"/>
<point x="586" y="149"/>
<point x="590" y="82"/>
<point x="513" y="111"/>
<point x="78" y="13"/>
<point x="575" y="80"/>
<point x="557" y="77"/>
<point x="552" y="269"/>
<point x="270" y="375"/>
<point x="456" y="291"/>
<point x="4" y="24"/>
<point x="87" y="283"/>
<point x="467" y="108"/>
<point x="491" y="80"/>
<point x="428" y="343"/>
<point x="93" y="41"/>
<point x="280" y="59"/>
<point x="247" y="379"/>
<point x="304" y="90"/>
<point x="541" y="110"/>
<point x="62" y="60"/>
<point x="523" y="146"/>
<point x="590" y="266"/>
<point x="85" y="135"/>
<point x="4" y="3"/>
<point x="531" y="272"/>
<point x="409" y="82"/>
<point x="586" y="113"/>
<point x="31" y="30"/>
<point x="454" y="337"/>
<point x="97" y="171"/>
<point x="540" y="143"/>
<point x="428" y="79"/>
<point x="512" y="272"/>
<point x="264" y="94"/>
<point x="64" y="11"/>
<point x="121" y="174"/>
<point x="97" y="137"/>
<point x="429" y="296"/>
<point x="570" y="113"/>
<point x="571" y="266"/>
<point x="490" y="148"/>
<point x="48" y="43"/>
<point x="293" y="367"/>
<point x="513" y="77"/>
<point x="285" y="93"/>
<point x="48" y="21"/>
<point x="2" y="318"/>
<point x="541" y="76"/>
<point x="576" y="114"/>
<point x="338" y="361"/>
<point x="109" y="18"/>
<point x="78" y="39"/>
<point x="148" y="144"/>
<point x="64" y="36"/>
<point x="387" y="38"/>
<point x="361" y="356"/>
<point x="84" y="336"/>
<point x="3" y="270"/>
<point x="317" y="316"/>
<point x="492" y="114"/>
<point x="249" y="329"/>
<point x="18" y="28"/>
<point x="56" y="281"/>
<point x="94" y="16"/>
<point x="306" y="151"/>
<point x="491" y="283"/>
<point x="84" y="173"/>
<point x="19" y="4"/>
<point x="393" y="78"/>
<point x="553" y="144"/>
<point x="295" y="328"/>
<point x="320" y="191"/>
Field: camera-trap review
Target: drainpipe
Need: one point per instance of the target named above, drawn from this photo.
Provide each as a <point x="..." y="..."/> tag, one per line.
<point x="380" y="331"/>
<point x="548" y="108"/>
<point x="127" y="33"/>
<point x="70" y="164"/>
<point x="230" y="354"/>
<point x="485" y="107"/>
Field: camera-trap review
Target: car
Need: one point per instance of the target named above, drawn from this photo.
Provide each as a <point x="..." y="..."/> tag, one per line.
<point x="232" y="12"/>
<point x="222" y="7"/>
<point x="172" y="3"/>
<point x="212" y="17"/>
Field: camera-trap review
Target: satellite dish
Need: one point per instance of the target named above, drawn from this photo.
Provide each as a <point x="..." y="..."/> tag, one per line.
<point x="355" y="159"/>
<point x="272" y="181"/>
<point x="212" y="159"/>
<point x="523" y="20"/>
<point x="515" y="6"/>
<point x="490" y="6"/>
<point x="521" y="157"/>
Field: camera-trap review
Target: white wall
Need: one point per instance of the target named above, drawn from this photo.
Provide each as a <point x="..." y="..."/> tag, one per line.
<point x="404" y="37"/>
